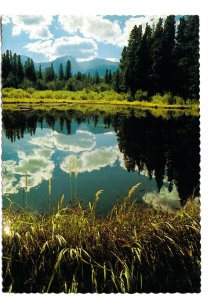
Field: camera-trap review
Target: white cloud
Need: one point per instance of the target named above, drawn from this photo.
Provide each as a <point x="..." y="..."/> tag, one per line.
<point x="37" y="27"/>
<point x="96" y="27"/>
<point x="131" y="22"/>
<point x="114" y="59"/>
<point x="90" y="161"/>
<point x="5" y="20"/>
<point x="104" y="30"/>
<point x="82" y="48"/>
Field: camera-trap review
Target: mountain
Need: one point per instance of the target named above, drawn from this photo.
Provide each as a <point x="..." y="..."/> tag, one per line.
<point x="99" y="64"/>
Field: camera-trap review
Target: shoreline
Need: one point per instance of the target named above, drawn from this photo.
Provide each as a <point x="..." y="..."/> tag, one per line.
<point x="56" y="103"/>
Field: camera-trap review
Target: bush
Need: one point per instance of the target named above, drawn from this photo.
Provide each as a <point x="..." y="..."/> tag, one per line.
<point x="167" y="98"/>
<point x="179" y="100"/>
<point x="17" y="93"/>
<point x="30" y="90"/>
<point x="140" y="95"/>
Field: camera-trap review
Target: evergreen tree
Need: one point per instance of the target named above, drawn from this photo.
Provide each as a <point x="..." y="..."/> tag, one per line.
<point x="145" y="58"/>
<point x="123" y="66"/>
<point x="181" y="60"/>
<point x="6" y="65"/>
<point x="40" y="72"/>
<point x="193" y="57"/>
<point x="168" y="54"/>
<point x="30" y="71"/>
<point x="52" y="72"/>
<point x="106" y="76"/>
<point x="49" y="74"/>
<point x="157" y="71"/>
<point x="61" y="72"/>
<point x="68" y="73"/>
<point x="109" y="77"/>
<point x="131" y="61"/>
<point x="20" y="72"/>
<point x="117" y="82"/>
<point x="78" y="76"/>
<point x="96" y="78"/>
<point x="14" y="64"/>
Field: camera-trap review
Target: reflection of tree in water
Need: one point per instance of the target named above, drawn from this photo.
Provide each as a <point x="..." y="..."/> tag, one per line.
<point x="16" y="124"/>
<point x="161" y="146"/>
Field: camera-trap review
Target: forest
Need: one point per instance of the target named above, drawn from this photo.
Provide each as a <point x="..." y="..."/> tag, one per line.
<point x="161" y="60"/>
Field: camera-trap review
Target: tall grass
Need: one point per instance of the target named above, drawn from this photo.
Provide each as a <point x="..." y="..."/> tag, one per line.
<point x="133" y="249"/>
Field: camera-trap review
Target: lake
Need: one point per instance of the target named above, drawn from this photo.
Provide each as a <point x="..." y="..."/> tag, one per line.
<point x="50" y="153"/>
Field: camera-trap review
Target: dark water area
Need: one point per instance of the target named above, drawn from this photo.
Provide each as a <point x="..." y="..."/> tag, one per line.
<point x="50" y="153"/>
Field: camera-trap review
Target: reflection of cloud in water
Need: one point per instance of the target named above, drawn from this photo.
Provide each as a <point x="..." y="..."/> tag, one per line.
<point x="9" y="179"/>
<point x="43" y="141"/>
<point x="37" y="166"/>
<point x="165" y="199"/>
<point x="90" y="161"/>
<point x="80" y="141"/>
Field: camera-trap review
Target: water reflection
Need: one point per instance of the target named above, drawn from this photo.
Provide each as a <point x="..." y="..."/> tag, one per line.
<point x="111" y="151"/>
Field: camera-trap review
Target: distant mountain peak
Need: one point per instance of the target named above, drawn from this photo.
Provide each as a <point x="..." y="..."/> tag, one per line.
<point x="90" y="66"/>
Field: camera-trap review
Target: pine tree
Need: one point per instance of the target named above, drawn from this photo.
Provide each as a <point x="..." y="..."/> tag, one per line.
<point x="61" y="72"/>
<point x="14" y="64"/>
<point x="117" y="82"/>
<point x="168" y="54"/>
<point x="96" y="78"/>
<point x="193" y="57"/>
<point x="130" y="63"/>
<point x="181" y="60"/>
<point x="145" y="58"/>
<point x="52" y="72"/>
<point x="6" y="65"/>
<point x="20" y="72"/>
<point x="39" y="75"/>
<point x="49" y="74"/>
<point x="30" y="71"/>
<point x="106" y="78"/>
<point x="156" y="76"/>
<point x="68" y="73"/>
<point x="109" y="77"/>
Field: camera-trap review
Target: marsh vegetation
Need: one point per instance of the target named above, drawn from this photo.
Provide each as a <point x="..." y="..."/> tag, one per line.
<point x="132" y="249"/>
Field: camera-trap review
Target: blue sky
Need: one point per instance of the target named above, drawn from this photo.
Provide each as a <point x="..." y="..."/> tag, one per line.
<point x="45" y="38"/>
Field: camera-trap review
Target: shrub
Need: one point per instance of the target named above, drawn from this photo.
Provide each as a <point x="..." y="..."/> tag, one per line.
<point x="179" y="100"/>
<point x="167" y="98"/>
<point x="30" y="90"/>
<point x="141" y="95"/>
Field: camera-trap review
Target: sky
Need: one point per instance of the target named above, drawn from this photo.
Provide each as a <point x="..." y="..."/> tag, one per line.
<point x="44" y="37"/>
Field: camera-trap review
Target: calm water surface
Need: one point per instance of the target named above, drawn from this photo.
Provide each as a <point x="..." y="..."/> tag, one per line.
<point x="81" y="153"/>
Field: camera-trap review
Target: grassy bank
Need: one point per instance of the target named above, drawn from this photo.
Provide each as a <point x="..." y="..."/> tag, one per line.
<point x="34" y="98"/>
<point x="133" y="249"/>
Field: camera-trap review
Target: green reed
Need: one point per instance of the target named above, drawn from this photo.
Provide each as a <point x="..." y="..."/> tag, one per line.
<point x="132" y="249"/>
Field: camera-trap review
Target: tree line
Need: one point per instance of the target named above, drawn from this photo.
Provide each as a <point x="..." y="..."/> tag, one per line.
<point x="18" y="75"/>
<point x="162" y="59"/>
<point x="165" y="58"/>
